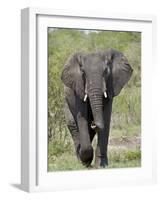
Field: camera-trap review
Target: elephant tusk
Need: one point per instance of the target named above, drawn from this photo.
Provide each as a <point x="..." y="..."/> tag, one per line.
<point x="105" y="94"/>
<point x="85" y="97"/>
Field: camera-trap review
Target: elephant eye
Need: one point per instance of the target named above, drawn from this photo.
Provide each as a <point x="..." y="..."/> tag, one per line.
<point x="105" y="66"/>
<point x="105" y="71"/>
<point x="84" y="76"/>
<point x="82" y="68"/>
<point x="83" y="73"/>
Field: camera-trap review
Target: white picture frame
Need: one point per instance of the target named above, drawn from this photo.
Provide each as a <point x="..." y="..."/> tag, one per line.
<point x="34" y="175"/>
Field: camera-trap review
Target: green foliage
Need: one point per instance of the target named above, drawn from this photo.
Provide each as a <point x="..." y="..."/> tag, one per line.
<point x="126" y="109"/>
<point x="126" y="115"/>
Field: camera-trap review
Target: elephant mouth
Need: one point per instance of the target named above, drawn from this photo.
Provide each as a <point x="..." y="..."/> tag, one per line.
<point x="94" y="127"/>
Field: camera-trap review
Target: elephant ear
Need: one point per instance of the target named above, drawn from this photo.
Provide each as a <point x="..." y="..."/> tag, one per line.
<point x="119" y="68"/>
<point x="72" y="75"/>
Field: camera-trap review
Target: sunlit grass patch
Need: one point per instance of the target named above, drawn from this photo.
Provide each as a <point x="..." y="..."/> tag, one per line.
<point x="119" y="157"/>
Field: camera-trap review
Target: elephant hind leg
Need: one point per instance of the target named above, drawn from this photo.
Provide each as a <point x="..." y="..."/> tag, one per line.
<point x="72" y="127"/>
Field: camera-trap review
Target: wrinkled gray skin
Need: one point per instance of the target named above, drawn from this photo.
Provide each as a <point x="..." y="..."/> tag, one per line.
<point x="93" y="74"/>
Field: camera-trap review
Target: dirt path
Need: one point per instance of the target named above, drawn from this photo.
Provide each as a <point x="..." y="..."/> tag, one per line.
<point x="131" y="143"/>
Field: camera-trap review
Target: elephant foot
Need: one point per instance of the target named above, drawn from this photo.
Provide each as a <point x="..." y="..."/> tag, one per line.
<point x="86" y="155"/>
<point x="90" y="167"/>
<point x="101" y="162"/>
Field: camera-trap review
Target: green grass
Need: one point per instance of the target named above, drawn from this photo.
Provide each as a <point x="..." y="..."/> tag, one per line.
<point x="120" y="158"/>
<point x="125" y="164"/>
<point x="124" y="151"/>
<point x="65" y="162"/>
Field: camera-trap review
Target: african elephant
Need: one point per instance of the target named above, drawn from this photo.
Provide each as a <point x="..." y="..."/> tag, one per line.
<point x="91" y="81"/>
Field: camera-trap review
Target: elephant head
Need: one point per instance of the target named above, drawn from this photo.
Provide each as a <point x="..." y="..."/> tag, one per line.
<point x="96" y="76"/>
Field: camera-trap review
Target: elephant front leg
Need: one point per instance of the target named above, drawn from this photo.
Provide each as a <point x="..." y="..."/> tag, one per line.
<point x="101" y="158"/>
<point x="86" y="150"/>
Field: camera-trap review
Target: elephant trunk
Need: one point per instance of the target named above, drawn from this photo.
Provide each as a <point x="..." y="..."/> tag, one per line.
<point x="96" y="102"/>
